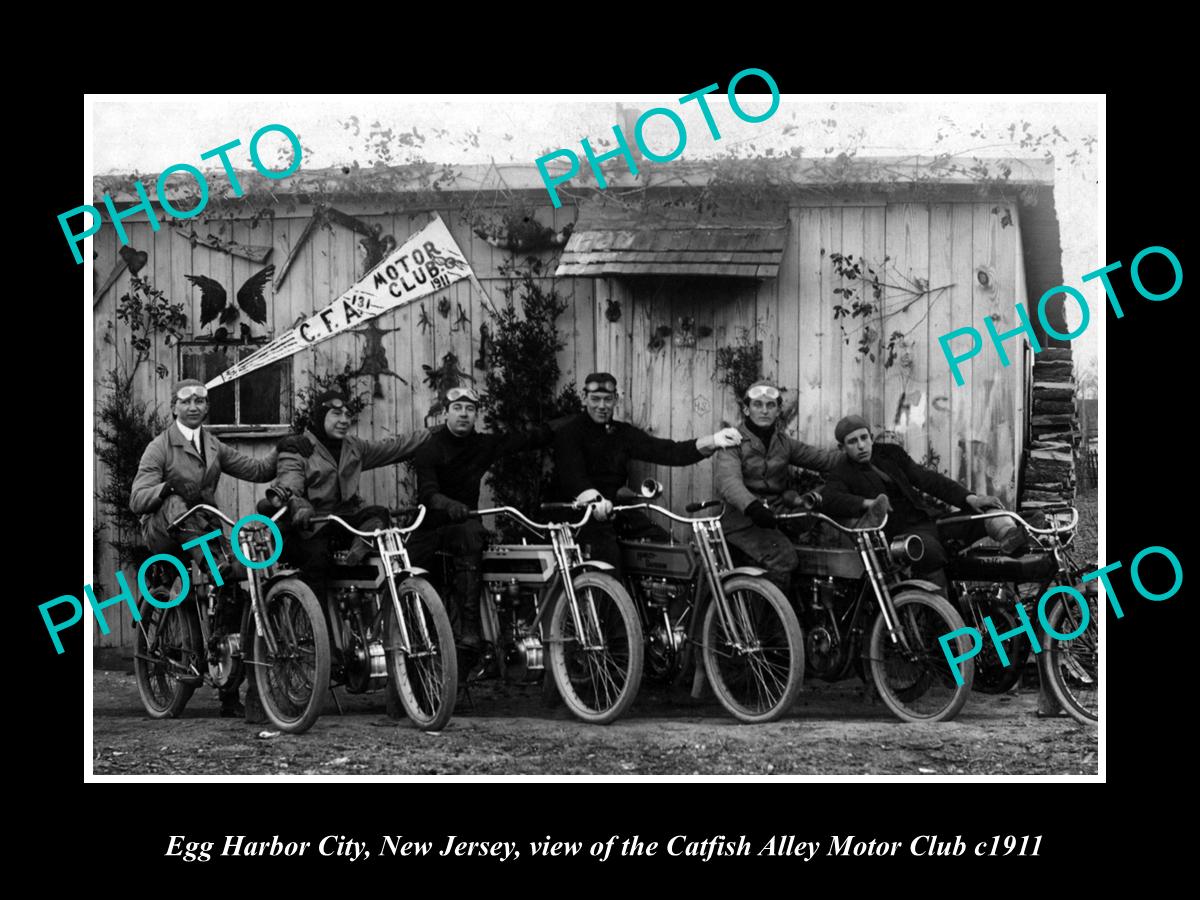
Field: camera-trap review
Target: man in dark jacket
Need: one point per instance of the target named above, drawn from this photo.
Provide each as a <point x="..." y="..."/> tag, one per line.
<point x="883" y="478"/>
<point x="450" y="466"/>
<point x="591" y="460"/>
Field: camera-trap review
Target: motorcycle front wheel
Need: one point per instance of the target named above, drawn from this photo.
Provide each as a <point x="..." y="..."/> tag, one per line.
<point x="421" y="659"/>
<point x="917" y="683"/>
<point x="597" y="672"/>
<point x="1072" y="668"/>
<point x="755" y="663"/>
<point x="291" y="683"/>
<point x="167" y="661"/>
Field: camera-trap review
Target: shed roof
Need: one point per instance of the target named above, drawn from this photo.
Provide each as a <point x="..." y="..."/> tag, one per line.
<point x="391" y="181"/>
<point x="663" y="240"/>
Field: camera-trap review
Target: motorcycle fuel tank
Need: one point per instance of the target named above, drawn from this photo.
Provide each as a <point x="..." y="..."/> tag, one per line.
<point x="525" y="564"/>
<point x="835" y="562"/>
<point x="663" y="560"/>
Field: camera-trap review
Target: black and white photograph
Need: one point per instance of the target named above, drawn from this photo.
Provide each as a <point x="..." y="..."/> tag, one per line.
<point x="714" y="430"/>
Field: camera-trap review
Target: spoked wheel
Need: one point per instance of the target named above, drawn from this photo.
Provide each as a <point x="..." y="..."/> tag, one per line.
<point x="916" y="683"/>
<point x="755" y="663"/>
<point x="421" y="659"/>
<point x="292" y="683"/>
<point x="167" y="658"/>
<point x="1072" y="668"/>
<point x="991" y="677"/>
<point x="598" y="671"/>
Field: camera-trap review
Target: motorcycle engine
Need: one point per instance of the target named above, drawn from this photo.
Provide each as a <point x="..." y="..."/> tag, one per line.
<point x="825" y="653"/>
<point x="662" y="649"/>
<point x="224" y="658"/>
<point x="658" y="592"/>
<point x="365" y="666"/>
<point x="523" y="658"/>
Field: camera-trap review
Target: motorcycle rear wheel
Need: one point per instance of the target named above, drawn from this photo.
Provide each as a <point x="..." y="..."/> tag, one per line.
<point x="293" y="683"/>
<point x="167" y="642"/>
<point x="918" y="685"/>
<point x="756" y="675"/>
<point x="1072" y="668"/>
<point x="597" y="683"/>
<point x="426" y="675"/>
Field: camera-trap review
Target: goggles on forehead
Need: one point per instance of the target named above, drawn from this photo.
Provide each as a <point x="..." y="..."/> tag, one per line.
<point x="461" y="393"/>
<point x="762" y="392"/>
<point x="609" y="386"/>
<point x="192" y="390"/>
<point x="334" y="403"/>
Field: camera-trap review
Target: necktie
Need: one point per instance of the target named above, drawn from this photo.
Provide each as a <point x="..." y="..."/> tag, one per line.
<point x="200" y="448"/>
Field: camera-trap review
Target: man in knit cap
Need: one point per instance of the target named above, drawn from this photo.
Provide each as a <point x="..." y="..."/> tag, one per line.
<point x="882" y="478"/>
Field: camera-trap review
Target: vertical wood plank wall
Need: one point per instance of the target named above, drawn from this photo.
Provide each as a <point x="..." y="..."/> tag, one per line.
<point x="971" y="432"/>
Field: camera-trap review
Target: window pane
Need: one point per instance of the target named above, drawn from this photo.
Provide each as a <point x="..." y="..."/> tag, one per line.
<point x="260" y="393"/>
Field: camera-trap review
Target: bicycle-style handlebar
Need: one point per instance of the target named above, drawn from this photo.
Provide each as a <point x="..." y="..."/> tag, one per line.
<point x="837" y="525"/>
<point x="224" y="518"/>
<point x="997" y="513"/>
<point x="677" y="518"/>
<point x="371" y="535"/>
<point x="537" y="526"/>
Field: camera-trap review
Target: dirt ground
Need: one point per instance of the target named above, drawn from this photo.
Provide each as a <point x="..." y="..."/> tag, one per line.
<point x="505" y="730"/>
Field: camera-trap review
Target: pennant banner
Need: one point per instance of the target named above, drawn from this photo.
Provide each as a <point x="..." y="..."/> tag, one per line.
<point x="428" y="261"/>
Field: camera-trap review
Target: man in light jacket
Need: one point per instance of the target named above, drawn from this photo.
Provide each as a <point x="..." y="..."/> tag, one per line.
<point x="319" y="474"/>
<point x="180" y="468"/>
<point x="752" y="477"/>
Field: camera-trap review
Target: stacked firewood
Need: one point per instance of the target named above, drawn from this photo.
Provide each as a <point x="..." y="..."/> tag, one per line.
<point x="1054" y="432"/>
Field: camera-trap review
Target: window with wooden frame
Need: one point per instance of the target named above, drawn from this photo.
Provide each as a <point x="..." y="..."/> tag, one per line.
<point x="258" y="401"/>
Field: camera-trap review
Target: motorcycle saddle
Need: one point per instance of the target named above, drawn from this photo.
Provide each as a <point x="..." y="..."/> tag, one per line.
<point x="989" y="564"/>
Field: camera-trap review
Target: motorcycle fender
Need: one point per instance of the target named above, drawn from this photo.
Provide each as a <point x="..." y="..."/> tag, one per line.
<point x="918" y="583"/>
<point x="752" y="571"/>
<point x="413" y="572"/>
<point x="595" y="565"/>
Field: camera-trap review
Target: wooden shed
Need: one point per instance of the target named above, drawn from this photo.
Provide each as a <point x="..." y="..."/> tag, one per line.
<point x="655" y="289"/>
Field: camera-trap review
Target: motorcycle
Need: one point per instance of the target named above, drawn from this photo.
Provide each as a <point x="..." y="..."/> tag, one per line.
<point x="386" y="619"/>
<point x="545" y="607"/>
<point x="213" y="633"/>
<point x="861" y="610"/>
<point x="691" y="595"/>
<point x="1069" y="668"/>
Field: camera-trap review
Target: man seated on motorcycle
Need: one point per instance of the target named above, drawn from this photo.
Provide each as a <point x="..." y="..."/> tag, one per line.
<point x="752" y="477"/>
<point x="179" y="469"/>
<point x="450" y="466"/>
<point x="591" y="458"/>
<point x="882" y="478"/>
<point x="319" y="472"/>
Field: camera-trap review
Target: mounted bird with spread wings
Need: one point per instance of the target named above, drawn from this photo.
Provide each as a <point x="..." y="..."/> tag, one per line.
<point x="214" y="301"/>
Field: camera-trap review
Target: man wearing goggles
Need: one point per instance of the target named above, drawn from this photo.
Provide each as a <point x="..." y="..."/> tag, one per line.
<point x="180" y="468"/>
<point x="450" y="466"/>
<point x="752" y="477"/>
<point x="319" y="473"/>
<point x="591" y="457"/>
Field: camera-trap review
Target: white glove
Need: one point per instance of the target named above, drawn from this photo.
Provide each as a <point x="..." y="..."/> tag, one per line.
<point x="727" y="437"/>
<point x="602" y="509"/>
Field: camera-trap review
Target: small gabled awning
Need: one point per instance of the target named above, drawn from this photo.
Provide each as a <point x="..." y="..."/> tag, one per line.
<point x="611" y="240"/>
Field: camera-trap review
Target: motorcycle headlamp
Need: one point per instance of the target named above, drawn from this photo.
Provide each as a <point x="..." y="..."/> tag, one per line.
<point x="906" y="549"/>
